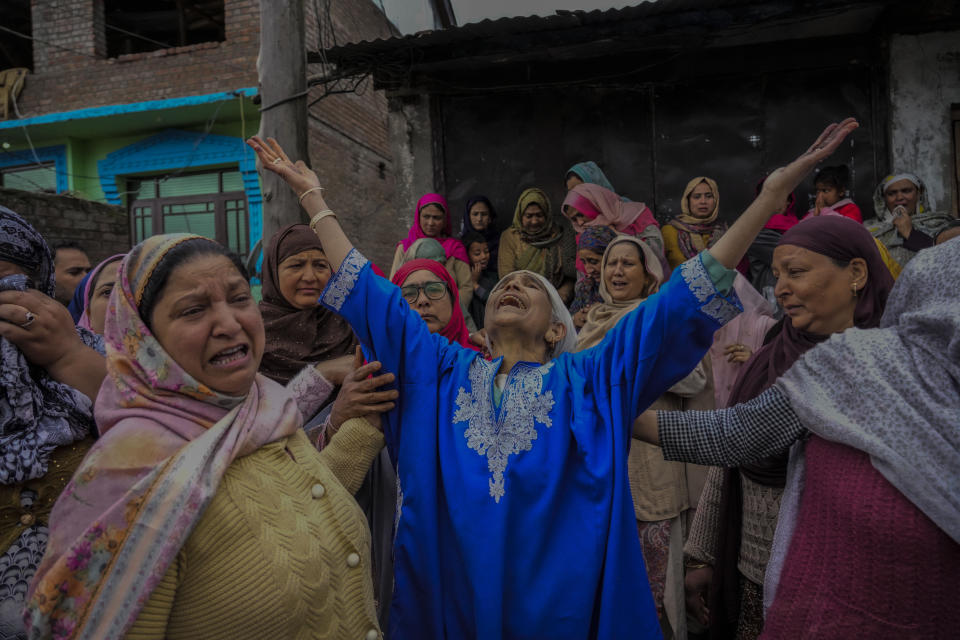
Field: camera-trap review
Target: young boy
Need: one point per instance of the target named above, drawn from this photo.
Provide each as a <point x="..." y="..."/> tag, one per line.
<point x="483" y="278"/>
<point x="831" y="185"/>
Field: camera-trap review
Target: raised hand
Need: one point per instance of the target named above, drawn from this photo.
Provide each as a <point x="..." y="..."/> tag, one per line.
<point x="272" y="157"/>
<point x="785" y="179"/>
<point x="778" y="186"/>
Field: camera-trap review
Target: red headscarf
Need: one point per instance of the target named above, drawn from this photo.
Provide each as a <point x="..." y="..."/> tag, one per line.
<point x="456" y="330"/>
<point x="451" y="246"/>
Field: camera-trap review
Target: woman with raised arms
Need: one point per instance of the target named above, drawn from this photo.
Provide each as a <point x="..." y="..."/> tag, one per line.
<point x="515" y="517"/>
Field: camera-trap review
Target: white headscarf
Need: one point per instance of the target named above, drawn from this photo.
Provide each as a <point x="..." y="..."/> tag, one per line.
<point x="560" y="313"/>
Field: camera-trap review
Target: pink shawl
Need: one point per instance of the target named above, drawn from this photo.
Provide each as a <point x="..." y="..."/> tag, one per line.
<point x="604" y="207"/>
<point x="451" y="246"/>
<point x="748" y="329"/>
<point x="166" y="442"/>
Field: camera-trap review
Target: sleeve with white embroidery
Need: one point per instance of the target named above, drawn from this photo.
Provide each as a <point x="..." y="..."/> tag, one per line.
<point x="661" y="341"/>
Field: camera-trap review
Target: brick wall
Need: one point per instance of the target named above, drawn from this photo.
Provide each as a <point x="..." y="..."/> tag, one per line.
<point x="101" y="229"/>
<point x="73" y="72"/>
<point x="349" y="141"/>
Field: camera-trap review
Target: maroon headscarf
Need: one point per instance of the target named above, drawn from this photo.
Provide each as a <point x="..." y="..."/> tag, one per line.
<point x="843" y="240"/>
<point x="296" y="337"/>
<point x="456" y="330"/>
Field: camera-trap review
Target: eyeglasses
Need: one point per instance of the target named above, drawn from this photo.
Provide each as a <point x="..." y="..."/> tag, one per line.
<point x="433" y="290"/>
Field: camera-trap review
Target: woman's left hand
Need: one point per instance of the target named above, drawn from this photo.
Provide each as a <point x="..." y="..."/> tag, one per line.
<point x="42" y="329"/>
<point x="359" y="397"/>
<point x="38" y="325"/>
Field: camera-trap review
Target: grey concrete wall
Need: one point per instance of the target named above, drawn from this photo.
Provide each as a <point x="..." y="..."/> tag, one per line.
<point x="101" y="229"/>
<point x="411" y="140"/>
<point x="924" y="82"/>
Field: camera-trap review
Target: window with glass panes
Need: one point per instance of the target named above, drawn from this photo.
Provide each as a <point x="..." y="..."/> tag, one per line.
<point x="210" y="204"/>
<point x="32" y="177"/>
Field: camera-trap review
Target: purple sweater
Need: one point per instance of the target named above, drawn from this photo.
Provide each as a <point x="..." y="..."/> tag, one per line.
<point x="864" y="562"/>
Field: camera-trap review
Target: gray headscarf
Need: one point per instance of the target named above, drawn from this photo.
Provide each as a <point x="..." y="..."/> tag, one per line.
<point x="560" y="313"/>
<point x="37" y="413"/>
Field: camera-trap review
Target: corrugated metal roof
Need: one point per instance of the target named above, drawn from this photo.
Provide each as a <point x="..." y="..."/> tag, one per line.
<point x="562" y="20"/>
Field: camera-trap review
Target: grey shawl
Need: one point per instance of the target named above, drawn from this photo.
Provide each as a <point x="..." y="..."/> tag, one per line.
<point x="892" y="392"/>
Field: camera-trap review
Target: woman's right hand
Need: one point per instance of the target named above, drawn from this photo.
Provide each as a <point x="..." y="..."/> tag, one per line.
<point x="359" y="397"/>
<point x="737" y="353"/>
<point x="696" y="585"/>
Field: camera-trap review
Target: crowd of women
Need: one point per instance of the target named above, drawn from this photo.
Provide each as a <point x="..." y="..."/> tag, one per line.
<point x="587" y="425"/>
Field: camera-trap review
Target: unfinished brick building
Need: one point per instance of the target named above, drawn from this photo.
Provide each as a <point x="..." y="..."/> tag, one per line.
<point x="145" y="105"/>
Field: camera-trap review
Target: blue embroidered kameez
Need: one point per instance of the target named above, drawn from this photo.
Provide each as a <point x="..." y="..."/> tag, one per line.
<point x="516" y="521"/>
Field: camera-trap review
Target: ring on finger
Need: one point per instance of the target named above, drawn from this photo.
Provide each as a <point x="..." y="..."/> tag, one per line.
<point x="30" y="317"/>
<point x="277" y="160"/>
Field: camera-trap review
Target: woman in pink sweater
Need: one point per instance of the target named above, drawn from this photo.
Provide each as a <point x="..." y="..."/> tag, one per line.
<point x="868" y="541"/>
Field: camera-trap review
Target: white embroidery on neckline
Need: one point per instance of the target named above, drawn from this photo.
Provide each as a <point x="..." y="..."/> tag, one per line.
<point x="498" y="435"/>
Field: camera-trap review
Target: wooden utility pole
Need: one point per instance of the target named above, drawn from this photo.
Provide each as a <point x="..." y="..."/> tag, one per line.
<point x="282" y="68"/>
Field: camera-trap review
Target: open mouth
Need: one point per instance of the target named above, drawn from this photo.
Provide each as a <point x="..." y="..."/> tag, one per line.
<point x="510" y="300"/>
<point x="618" y="284"/>
<point x="229" y="356"/>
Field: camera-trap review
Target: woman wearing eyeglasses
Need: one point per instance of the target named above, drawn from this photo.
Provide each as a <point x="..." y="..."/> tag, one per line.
<point x="429" y="289"/>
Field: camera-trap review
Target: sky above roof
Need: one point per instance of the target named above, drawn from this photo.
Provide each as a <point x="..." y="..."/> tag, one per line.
<point x="411" y="16"/>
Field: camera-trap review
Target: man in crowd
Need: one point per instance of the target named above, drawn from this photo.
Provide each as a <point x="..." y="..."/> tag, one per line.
<point x="70" y="264"/>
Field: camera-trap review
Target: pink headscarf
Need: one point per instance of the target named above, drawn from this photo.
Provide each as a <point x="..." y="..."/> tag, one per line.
<point x="604" y="207"/>
<point x="748" y="329"/>
<point x="84" y="320"/>
<point x="451" y="246"/>
<point x="167" y="439"/>
<point x="786" y="219"/>
<point x="456" y="329"/>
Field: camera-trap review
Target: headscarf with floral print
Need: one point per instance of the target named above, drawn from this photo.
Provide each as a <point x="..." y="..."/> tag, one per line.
<point x="166" y="441"/>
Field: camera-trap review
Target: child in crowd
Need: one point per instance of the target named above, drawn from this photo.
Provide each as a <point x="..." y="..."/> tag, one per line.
<point x="831" y="186"/>
<point x="484" y="278"/>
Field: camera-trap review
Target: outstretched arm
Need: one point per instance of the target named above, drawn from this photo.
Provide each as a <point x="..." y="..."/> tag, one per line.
<point x="731" y="247"/>
<point x="729" y="437"/>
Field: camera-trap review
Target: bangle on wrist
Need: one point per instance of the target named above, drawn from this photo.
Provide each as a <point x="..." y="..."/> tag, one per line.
<point x="310" y="190"/>
<point x="696" y="565"/>
<point x="318" y="216"/>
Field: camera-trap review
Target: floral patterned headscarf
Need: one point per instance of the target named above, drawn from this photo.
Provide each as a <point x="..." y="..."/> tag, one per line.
<point x="166" y="441"/>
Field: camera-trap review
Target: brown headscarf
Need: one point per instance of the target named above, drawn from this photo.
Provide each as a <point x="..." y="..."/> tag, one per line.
<point x="605" y="315"/>
<point x="296" y="337"/>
